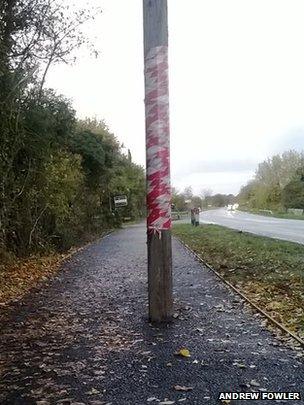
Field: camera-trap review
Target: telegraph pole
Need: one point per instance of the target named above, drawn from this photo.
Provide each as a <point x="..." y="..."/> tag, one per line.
<point x="158" y="160"/>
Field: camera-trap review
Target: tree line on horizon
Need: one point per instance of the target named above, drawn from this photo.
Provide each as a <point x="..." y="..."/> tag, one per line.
<point x="186" y="199"/>
<point x="278" y="184"/>
<point x="58" y="174"/>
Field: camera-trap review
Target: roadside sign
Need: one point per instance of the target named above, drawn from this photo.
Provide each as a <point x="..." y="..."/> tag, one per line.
<point x="120" y="201"/>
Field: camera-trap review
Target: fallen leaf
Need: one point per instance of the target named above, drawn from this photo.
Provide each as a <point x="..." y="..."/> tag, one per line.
<point x="183" y="352"/>
<point x="77" y="403"/>
<point x="93" y="391"/>
<point x="182" y="388"/>
<point x="254" y="383"/>
<point x="64" y="401"/>
<point x="240" y="365"/>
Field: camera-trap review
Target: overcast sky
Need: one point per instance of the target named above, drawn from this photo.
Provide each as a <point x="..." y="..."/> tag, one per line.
<point x="236" y="84"/>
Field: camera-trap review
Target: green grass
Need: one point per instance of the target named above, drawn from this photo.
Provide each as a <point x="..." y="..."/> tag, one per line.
<point x="287" y="216"/>
<point x="270" y="272"/>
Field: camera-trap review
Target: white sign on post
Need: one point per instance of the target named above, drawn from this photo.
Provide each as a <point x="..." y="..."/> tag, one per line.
<point x="120" y="201"/>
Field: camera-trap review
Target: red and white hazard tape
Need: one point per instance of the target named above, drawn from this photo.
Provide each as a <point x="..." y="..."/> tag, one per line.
<point x="157" y="140"/>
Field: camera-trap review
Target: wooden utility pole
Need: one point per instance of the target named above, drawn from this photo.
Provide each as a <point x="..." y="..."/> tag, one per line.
<point x="158" y="160"/>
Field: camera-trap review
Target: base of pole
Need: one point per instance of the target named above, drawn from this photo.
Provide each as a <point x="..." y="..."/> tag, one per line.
<point x="160" y="276"/>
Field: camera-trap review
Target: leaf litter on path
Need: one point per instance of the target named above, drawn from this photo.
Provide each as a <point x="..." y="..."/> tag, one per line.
<point x="182" y="388"/>
<point x="183" y="352"/>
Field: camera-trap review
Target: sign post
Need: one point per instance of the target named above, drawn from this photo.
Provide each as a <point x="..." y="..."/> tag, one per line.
<point x="158" y="160"/>
<point x="120" y="201"/>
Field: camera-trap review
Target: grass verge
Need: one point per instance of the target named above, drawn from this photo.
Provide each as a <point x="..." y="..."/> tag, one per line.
<point x="274" y="214"/>
<point x="270" y="272"/>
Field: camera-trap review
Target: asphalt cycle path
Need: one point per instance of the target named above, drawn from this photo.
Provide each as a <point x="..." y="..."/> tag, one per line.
<point x="277" y="228"/>
<point x="84" y="337"/>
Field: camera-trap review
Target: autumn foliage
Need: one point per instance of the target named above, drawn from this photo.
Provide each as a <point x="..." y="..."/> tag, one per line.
<point x="58" y="174"/>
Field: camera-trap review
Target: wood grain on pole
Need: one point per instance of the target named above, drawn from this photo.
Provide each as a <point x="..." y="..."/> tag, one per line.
<point x="159" y="243"/>
<point x="155" y="23"/>
<point x="160" y="277"/>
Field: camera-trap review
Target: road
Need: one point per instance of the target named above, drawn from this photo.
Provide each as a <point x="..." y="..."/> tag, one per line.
<point x="286" y="229"/>
<point x="83" y="338"/>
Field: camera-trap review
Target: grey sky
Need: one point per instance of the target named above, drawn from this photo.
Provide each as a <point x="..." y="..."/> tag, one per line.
<point x="236" y="84"/>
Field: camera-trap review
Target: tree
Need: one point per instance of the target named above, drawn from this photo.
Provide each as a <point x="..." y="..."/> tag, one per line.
<point x="293" y="193"/>
<point x="196" y="201"/>
<point x="57" y="174"/>
<point x="178" y="200"/>
<point x="279" y="169"/>
<point x="219" y="200"/>
<point x="268" y="189"/>
<point x="34" y="124"/>
<point x="38" y="33"/>
<point x="205" y="192"/>
<point x="188" y="192"/>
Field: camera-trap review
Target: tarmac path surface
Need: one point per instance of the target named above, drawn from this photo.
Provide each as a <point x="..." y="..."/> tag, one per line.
<point x="277" y="228"/>
<point x="83" y="337"/>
